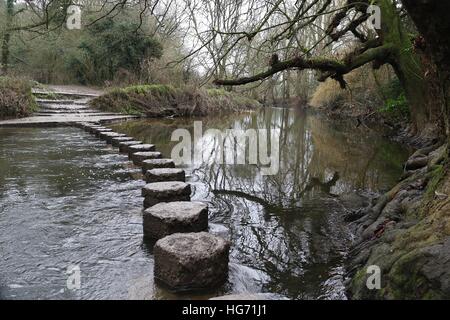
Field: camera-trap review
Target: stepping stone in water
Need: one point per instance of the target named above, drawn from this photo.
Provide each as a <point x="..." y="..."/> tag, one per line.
<point x="140" y="148"/>
<point x="86" y="125"/>
<point x="165" y="174"/>
<point x="117" y="140"/>
<point x="138" y="157"/>
<point x="171" y="191"/>
<point x="109" y="136"/>
<point x="191" y="261"/>
<point x="157" y="164"/>
<point x="93" y="129"/>
<point x="98" y="132"/>
<point x="102" y="135"/>
<point x="123" y="146"/>
<point x="167" y="218"/>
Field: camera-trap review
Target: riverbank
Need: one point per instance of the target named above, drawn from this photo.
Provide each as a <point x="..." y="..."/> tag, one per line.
<point x="156" y="101"/>
<point x="406" y="231"/>
<point x="16" y="99"/>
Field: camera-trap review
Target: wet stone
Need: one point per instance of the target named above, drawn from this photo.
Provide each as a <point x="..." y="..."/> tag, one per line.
<point x="157" y="164"/>
<point x="109" y="136"/>
<point x="171" y="191"/>
<point x="87" y="125"/>
<point x="117" y="140"/>
<point x="191" y="261"/>
<point x="123" y="146"/>
<point x="94" y="129"/>
<point x="164" y="219"/>
<point x="165" y="174"/>
<point x="99" y="131"/>
<point x="140" y="148"/>
<point x="138" y="157"/>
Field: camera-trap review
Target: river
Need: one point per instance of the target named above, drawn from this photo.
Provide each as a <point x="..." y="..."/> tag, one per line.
<point x="66" y="198"/>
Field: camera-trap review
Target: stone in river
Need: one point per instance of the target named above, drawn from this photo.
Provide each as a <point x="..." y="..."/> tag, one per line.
<point x="167" y="218"/>
<point x="117" y="140"/>
<point x="191" y="261"/>
<point x="157" y="164"/>
<point x="123" y="146"/>
<point x="171" y="191"/>
<point x="140" y="148"/>
<point x="165" y="174"/>
<point x="138" y="157"/>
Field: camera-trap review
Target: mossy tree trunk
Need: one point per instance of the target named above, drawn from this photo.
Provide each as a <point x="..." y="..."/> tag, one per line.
<point x="7" y="36"/>
<point x="431" y="19"/>
<point x="415" y="71"/>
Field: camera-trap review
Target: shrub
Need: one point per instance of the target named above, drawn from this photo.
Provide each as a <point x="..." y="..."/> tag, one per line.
<point x="16" y="99"/>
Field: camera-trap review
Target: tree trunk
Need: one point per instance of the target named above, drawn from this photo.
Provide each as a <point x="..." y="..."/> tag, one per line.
<point x="431" y="19"/>
<point x="416" y="74"/>
<point x="7" y="36"/>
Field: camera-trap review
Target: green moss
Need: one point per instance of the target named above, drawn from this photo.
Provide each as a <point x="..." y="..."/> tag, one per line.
<point x="217" y="92"/>
<point x="151" y="88"/>
<point x="407" y="280"/>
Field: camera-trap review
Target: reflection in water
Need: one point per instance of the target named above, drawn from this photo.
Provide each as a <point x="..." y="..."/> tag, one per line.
<point x="66" y="198"/>
<point x="287" y="228"/>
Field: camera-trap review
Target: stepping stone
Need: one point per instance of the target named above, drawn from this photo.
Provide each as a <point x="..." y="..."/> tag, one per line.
<point x="167" y="218"/>
<point x="165" y="174"/>
<point x="140" y="148"/>
<point x="123" y="146"/>
<point x="157" y="164"/>
<point x="191" y="261"/>
<point x="93" y="129"/>
<point x="117" y="140"/>
<point x="109" y="136"/>
<point x="102" y="135"/>
<point x="99" y="131"/>
<point x="171" y="191"/>
<point x="138" y="157"/>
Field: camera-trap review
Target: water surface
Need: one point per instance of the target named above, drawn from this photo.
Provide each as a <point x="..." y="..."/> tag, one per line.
<point x="68" y="199"/>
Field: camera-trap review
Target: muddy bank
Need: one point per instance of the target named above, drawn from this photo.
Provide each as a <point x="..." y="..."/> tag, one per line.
<point x="406" y="232"/>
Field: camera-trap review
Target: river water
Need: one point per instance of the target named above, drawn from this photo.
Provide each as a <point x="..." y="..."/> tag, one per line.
<point x="67" y="199"/>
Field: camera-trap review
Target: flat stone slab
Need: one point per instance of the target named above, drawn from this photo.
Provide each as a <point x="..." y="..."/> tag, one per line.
<point x="171" y="191"/>
<point x="98" y="132"/>
<point x="109" y="136"/>
<point x="191" y="261"/>
<point x="157" y="164"/>
<point x="140" y="148"/>
<point x="92" y="129"/>
<point x="138" y="157"/>
<point x="62" y="120"/>
<point x="165" y="174"/>
<point x="123" y="146"/>
<point x="167" y="218"/>
<point x="117" y="140"/>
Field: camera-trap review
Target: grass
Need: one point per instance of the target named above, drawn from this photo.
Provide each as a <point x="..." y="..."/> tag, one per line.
<point x="16" y="98"/>
<point x="158" y="100"/>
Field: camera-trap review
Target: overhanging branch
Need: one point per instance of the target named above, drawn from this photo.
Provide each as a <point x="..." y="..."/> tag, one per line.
<point x="329" y="67"/>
